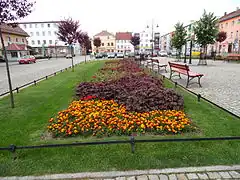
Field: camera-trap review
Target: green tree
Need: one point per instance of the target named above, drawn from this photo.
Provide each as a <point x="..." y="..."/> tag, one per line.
<point x="206" y="31"/>
<point x="179" y="37"/>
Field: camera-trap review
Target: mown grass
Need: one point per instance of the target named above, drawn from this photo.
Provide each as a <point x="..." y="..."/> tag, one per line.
<point x="27" y="125"/>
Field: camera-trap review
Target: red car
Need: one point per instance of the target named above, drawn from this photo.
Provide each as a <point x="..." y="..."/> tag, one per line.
<point x="27" y="60"/>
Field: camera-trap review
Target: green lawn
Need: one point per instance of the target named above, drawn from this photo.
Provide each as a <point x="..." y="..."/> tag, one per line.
<point x="26" y="125"/>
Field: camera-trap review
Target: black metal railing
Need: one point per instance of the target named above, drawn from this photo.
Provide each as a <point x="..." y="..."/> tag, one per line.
<point x="132" y="141"/>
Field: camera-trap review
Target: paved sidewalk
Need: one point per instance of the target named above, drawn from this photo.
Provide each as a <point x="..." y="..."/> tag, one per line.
<point x="189" y="173"/>
<point x="220" y="82"/>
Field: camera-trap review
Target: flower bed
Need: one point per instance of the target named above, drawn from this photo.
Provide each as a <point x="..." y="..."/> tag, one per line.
<point x="121" y="100"/>
<point x="100" y="117"/>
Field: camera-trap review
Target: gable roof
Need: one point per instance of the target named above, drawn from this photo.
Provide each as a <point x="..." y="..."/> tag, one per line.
<point x="104" y="33"/>
<point x="13" y="30"/>
<point x="123" y="36"/>
<point x="230" y="15"/>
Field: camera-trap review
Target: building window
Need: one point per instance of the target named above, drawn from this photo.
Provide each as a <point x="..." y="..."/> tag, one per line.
<point x="49" y="25"/>
<point x="33" y="42"/>
<point x="233" y="23"/>
<point x="141" y="35"/>
<point x="231" y="34"/>
<point x="14" y="54"/>
<point x="146" y="45"/>
<point x="226" y="25"/>
<point x="39" y="42"/>
<point x="102" y="44"/>
<point x="55" y="32"/>
<point x="36" y="25"/>
<point x="236" y="34"/>
<point x="108" y="37"/>
<point x="31" y="33"/>
<point x="121" y="46"/>
<point x="146" y="40"/>
<point x="50" y="41"/>
<point x="55" y="25"/>
<point x="30" y="25"/>
<point x="25" y="26"/>
<point x="23" y="40"/>
<point x="108" y="44"/>
<point x="43" y="33"/>
<point x="42" y="25"/>
<point x="44" y="41"/>
<point x="112" y="50"/>
<point x="111" y="44"/>
<point x="49" y="33"/>
<point x="16" y="39"/>
<point x="146" y="35"/>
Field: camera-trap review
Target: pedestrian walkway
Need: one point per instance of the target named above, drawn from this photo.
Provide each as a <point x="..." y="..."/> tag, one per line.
<point x="189" y="173"/>
<point x="220" y="82"/>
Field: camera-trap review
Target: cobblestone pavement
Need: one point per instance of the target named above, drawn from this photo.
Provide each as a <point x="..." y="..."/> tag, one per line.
<point x="220" y="83"/>
<point x="24" y="73"/>
<point x="189" y="173"/>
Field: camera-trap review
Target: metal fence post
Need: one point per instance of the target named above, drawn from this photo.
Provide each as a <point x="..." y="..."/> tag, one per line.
<point x="132" y="144"/>
<point x="199" y="97"/>
<point x="175" y="85"/>
<point x="35" y="83"/>
<point x="12" y="149"/>
<point x="17" y="89"/>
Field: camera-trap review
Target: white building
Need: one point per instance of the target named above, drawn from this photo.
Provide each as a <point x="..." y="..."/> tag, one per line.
<point x="43" y="38"/>
<point x="123" y="42"/>
<point x="146" y="41"/>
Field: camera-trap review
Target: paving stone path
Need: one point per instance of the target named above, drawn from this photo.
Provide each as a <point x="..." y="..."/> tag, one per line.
<point x="190" y="173"/>
<point x="220" y="83"/>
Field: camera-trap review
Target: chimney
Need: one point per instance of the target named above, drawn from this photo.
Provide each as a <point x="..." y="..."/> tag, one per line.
<point x="225" y="13"/>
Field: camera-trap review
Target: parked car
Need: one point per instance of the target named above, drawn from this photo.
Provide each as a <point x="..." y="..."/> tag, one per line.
<point x="27" y="59"/>
<point x="99" y="56"/>
<point x="111" y="55"/>
<point x="105" y="54"/>
<point x="120" y="55"/>
<point x="163" y="54"/>
<point x="69" y="56"/>
<point x="131" y="55"/>
<point x="154" y="55"/>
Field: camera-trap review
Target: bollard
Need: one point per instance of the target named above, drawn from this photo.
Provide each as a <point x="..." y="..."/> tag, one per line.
<point x="17" y="89"/>
<point x="12" y="149"/>
<point x="35" y="83"/>
<point x="199" y="97"/>
<point x="132" y="144"/>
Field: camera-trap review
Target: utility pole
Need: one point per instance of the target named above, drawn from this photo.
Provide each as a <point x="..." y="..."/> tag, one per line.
<point x="152" y="40"/>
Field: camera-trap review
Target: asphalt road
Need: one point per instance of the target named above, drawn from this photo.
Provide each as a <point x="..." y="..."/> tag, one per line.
<point x="24" y="73"/>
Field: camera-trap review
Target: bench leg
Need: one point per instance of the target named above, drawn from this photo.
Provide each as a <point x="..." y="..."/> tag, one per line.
<point x="166" y="69"/>
<point x="199" y="78"/>
<point x="187" y="82"/>
<point x="170" y="74"/>
<point x="179" y="76"/>
<point x="158" y="70"/>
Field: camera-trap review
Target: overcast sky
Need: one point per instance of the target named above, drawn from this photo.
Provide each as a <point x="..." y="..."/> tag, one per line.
<point x="128" y="15"/>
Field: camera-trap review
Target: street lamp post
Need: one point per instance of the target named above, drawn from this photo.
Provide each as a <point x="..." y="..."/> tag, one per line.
<point x="152" y="40"/>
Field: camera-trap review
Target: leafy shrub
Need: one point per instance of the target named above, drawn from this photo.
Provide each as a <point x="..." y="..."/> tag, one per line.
<point x="139" y="93"/>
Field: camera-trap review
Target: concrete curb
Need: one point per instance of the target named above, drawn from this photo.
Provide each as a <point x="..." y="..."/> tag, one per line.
<point x="114" y="174"/>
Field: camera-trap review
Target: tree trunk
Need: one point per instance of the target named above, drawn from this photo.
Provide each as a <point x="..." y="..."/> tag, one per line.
<point x="8" y="71"/>
<point x="85" y="56"/>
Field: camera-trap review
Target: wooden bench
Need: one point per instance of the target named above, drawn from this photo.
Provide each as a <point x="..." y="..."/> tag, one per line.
<point x="184" y="69"/>
<point x="156" y="62"/>
<point x="234" y="57"/>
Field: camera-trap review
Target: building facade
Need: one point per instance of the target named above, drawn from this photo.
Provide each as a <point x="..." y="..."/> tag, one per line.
<point x="145" y="42"/>
<point x="15" y="42"/>
<point x="230" y="23"/>
<point x="44" y="40"/>
<point x="108" y="42"/>
<point x="123" y="42"/>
